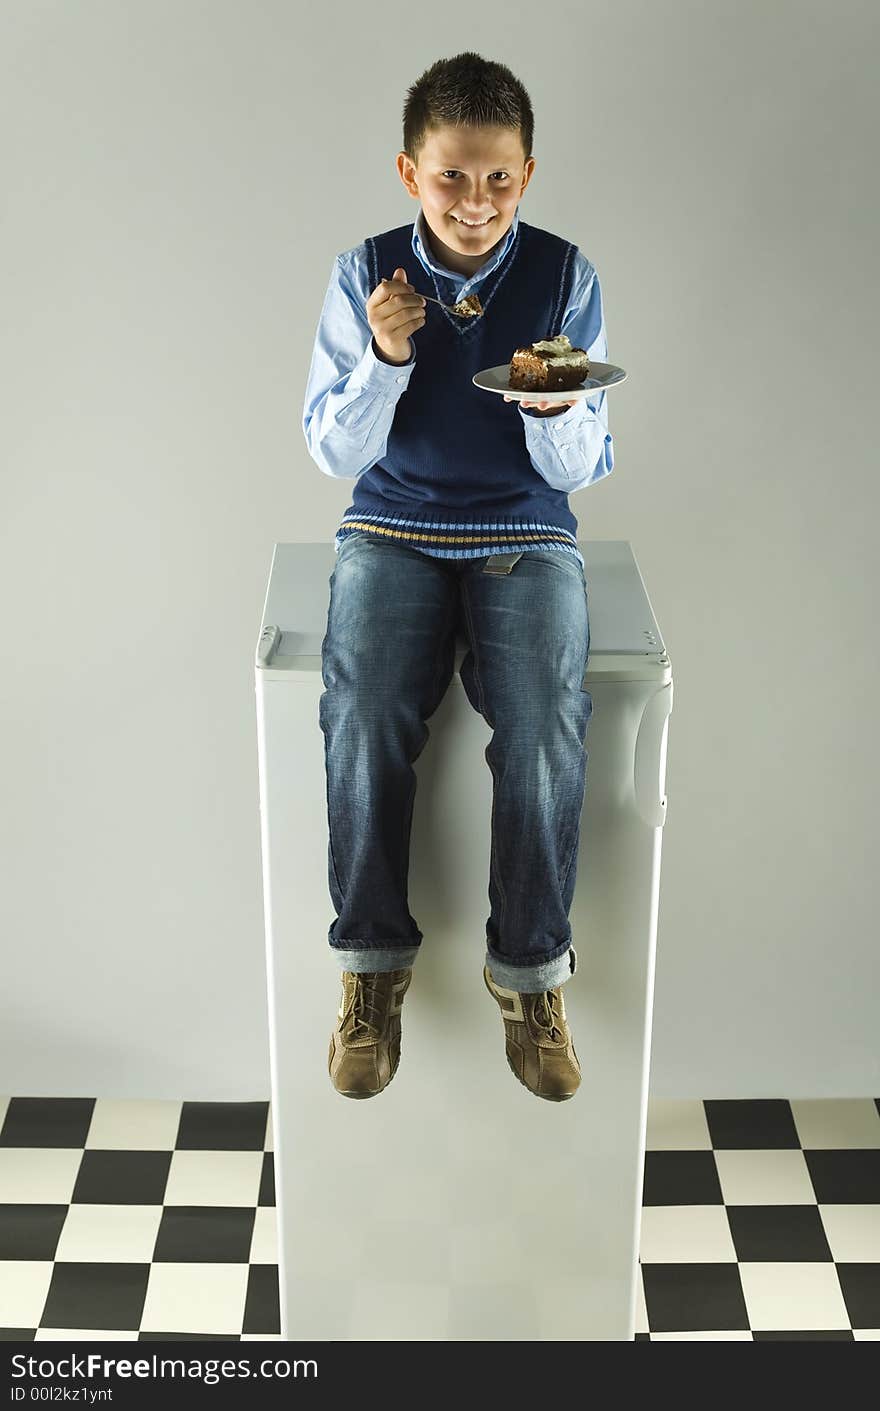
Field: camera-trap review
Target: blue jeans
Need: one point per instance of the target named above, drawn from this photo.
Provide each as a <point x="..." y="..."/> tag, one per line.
<point x="387" y="660"/>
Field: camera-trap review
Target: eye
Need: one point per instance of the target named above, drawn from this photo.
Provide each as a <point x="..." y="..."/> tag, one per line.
<point x="451" y="171"/>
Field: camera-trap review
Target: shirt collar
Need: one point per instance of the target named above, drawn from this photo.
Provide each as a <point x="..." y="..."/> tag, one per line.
<point x="422" y="251"/>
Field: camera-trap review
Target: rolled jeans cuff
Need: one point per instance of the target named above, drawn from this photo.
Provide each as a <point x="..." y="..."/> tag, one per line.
<point x="533" y="979"/>
<point x="374" y="959"/>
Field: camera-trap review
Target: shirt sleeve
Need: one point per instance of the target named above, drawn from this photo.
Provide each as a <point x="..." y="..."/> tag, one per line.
<point x="575" y="449"/>
<point x="351" y="393"/>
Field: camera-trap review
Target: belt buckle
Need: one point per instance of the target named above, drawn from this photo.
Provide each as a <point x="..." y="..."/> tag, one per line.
<point x="500" y="563"/>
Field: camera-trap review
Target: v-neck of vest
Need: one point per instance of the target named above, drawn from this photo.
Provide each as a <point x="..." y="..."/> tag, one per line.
<point x="464" y="326"/>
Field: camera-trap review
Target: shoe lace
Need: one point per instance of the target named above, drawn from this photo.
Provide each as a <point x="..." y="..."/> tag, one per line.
<point x="547" y="1013"/>
<point x="366" y="1012"/>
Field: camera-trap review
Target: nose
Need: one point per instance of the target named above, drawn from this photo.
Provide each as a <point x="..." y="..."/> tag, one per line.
<point x="479" y="210"/>
<point x="481" y="196"/>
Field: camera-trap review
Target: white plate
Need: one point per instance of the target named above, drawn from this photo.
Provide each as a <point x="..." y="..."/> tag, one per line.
<point x="602" y="375"/>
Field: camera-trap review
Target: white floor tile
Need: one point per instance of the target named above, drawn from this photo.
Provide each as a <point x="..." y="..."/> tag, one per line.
<point x="784" y="1297"/>
<point x="195" y="1298"/>
<point x="24" y="1284"/>
<point x="853" y="1232"/>
<point x="214" y="1178"/>
<point x="143" y="1125"/>
<point x="866" y="1334"/>
<point x="264" y="1244"/>
<point x="686" y="1234"/>
<point x="85" y="1335"/>
<point x="4" y="1103"/>
<point x="677" y="1125"/>
<point x="34" y="1175"/>
<point x="764" y="1178"/>
<point x="836" y="1123"/>
<point x="270" y="1132"/>
<point x="116" y="1234"/>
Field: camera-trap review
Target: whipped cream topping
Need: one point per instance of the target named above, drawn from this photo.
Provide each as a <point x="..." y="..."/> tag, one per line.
<point x="559" y="351"/>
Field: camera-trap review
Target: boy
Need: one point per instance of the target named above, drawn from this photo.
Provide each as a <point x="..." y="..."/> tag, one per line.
<point x="459" y="521"/>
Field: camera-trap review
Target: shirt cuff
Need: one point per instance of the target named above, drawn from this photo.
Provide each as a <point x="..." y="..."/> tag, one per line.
<point x="569" y="417"/>
<point x="375" y="367"/>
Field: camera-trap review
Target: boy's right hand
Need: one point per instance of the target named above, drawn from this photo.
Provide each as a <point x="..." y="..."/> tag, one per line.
<point x="394" y="311"/>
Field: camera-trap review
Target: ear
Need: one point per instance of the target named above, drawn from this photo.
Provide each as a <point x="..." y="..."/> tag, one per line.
<point x="407" y="172"/>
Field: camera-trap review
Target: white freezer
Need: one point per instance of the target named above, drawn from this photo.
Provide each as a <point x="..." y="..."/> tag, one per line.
<point x="456" y="1205"/>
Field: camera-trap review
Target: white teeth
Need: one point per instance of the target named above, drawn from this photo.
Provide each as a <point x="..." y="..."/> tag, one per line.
<point x="474" y="224"/>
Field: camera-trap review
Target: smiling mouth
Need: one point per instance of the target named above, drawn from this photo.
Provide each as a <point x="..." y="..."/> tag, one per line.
<point x="468" y="226"/>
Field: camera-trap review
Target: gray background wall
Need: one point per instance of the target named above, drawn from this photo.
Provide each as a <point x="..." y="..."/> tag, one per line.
<point x="178" y="178"/>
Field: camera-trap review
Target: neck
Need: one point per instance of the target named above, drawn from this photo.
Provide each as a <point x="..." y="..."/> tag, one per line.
<point x="453" y="259"/>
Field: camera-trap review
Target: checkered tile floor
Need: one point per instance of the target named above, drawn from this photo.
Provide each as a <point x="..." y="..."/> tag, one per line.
<point x="145" y="1220"/>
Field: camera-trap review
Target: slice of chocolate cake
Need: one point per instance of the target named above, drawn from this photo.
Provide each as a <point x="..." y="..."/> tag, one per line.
<point x="469" y="307"/>
<point x="551" y="365"/>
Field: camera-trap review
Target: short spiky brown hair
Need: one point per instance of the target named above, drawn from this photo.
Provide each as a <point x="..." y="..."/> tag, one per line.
<point x="466" y="91"/>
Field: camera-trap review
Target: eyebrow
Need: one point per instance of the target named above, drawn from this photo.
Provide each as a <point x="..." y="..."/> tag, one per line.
<point x="497" y="165"/>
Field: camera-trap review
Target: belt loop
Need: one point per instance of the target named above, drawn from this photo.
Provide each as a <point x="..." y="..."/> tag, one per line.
<point x="500" y="563"/>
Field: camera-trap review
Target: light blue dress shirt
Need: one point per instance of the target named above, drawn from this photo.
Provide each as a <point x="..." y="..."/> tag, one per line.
<point x="351" y="395"/>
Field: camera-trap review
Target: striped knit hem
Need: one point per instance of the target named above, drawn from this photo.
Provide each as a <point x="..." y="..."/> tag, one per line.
<point x="455" y="539"/>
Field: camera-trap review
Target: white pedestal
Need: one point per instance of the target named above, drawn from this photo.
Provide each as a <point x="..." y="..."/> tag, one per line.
<point x="456" y="1205"/>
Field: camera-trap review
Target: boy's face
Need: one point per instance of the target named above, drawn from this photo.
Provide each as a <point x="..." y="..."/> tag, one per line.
<point x="467" y="174"/>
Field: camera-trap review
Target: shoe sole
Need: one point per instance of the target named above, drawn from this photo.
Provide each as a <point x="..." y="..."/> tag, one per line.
<point x="545" y="1097"/>
<point x="346" y="1092"/>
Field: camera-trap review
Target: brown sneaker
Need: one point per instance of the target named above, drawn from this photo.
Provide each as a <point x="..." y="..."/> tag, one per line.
<point x="365" y="1045"/>
<point x="539" y="1045"/>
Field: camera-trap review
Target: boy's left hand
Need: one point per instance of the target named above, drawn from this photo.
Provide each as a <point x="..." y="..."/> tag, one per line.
<point x="541" y="406"/>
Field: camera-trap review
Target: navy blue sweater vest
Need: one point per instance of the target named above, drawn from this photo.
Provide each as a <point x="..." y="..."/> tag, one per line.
<point x="456" y="478"/>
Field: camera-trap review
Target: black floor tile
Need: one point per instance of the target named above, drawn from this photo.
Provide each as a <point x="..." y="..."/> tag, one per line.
<point x="47" y="1121"/>
<point x="811" y="1335"/>
<point x="122" y="1177"/>
<point x="205" y="1234"/>
<point x="17" y="1334"/>
<point x="96" y="1296"/>
<point x="267" y="1180"/>
<point x="30" y="1231"/>
<point x="860" y="1285"/>
<point x="262" y="1309"/>
<point x="694" y="1298"/>
<point x="189" y="1337"/>
<point x="845" y="1177"/>
<point x="751" y="1124"/>
<point x="681" y="1178"/>
<point x="787" y="1233"/>
<point x="222" y="1126"/>
<point x="643" y="1337"/>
